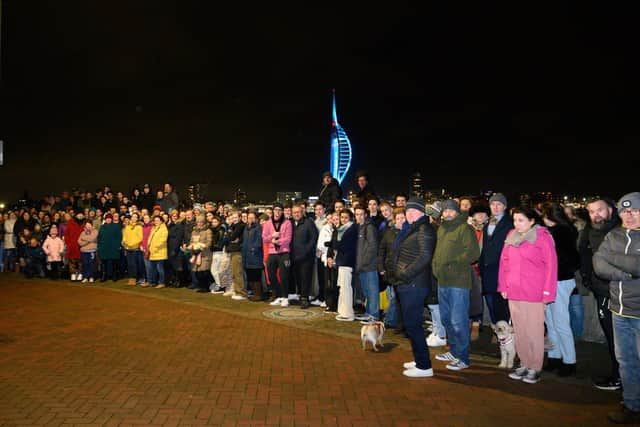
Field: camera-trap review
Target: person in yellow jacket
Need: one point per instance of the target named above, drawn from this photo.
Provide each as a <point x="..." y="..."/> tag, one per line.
<point x="157" y="252"/>
<point x="131" y="240"/>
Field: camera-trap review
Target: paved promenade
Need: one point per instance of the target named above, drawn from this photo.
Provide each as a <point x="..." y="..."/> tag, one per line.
<point x="110" y="355"/>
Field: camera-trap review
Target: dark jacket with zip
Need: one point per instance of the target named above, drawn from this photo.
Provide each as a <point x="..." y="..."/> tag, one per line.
<point x="489" y="262"/>
<point x="367" y="252"/>
<point x="590" y="240"/>
<point x="415" y="252"/>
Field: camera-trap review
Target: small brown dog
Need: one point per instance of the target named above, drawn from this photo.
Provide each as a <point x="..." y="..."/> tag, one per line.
<point x="372" y="332"/>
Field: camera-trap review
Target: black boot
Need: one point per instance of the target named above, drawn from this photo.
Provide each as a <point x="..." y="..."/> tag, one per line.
<point x="553" y="364"/>
<point x="566" y="369"/>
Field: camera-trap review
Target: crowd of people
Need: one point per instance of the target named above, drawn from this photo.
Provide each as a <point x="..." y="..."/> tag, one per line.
<point x="456" y="257"/>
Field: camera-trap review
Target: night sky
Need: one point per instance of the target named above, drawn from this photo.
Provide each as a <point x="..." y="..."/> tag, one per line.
<point x="126" y="92"/>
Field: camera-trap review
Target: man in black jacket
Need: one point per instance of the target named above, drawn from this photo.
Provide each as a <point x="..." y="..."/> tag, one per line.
<point x="413" y="275"/>
<point x="303" y="251"/>
<point x="330" y="191"/>
<point x="603" y="220"/>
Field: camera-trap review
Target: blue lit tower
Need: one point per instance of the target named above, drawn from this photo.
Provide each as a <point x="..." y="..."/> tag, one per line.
<point x="340" y="147"/>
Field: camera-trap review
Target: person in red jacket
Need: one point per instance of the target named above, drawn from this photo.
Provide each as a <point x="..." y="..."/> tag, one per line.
<point x="71" y="234"/>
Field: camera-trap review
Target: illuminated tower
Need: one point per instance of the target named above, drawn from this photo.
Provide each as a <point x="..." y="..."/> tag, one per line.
<point x="340" y="147"/>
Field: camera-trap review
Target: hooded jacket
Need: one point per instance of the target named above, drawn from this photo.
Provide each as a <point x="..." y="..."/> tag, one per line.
<point x="457" y="249"/>
<point x="414" y="255"/>
<point x="367" y="251"/>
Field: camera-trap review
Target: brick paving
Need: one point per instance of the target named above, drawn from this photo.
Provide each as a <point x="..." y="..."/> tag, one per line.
<point x="90" y="356"/>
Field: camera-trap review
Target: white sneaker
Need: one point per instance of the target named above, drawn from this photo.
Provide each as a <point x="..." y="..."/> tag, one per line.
<point x="79" y="276"/>
<point x="445" y="357"/>
<point x="276" y="301"/>
<point x="227" y="293"/>
<point x="344" y="319"/>
<point x="316" y="302"/>
<point x="91" y="280"/>
<point x="84" y="280"/>
<point x="323" y="304"/>
<point x="294" y="296"/>
<point x="418" y="373"/>
<point x="409" y="365"/>
<point x="238" y="297"/>
<point x="457" y="365"/>
<point x="435" y="341"/>
<point x="284" y="302"/>
<point x="74" y="277"/>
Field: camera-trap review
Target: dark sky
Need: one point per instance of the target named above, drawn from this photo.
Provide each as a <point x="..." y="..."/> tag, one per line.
<point x="125" y="92"/>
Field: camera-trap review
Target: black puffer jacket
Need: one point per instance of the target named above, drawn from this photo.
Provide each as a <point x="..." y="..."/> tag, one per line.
<point x="565" y="237"/>
<point x="590" y="240"/>
<point x="387" y="254"/>
<point x="329" y="194"/>
<point x="217" y="238"/>
<point x="415" y="251"/>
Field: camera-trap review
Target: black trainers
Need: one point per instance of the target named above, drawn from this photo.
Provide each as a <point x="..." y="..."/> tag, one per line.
<point x="609" y="384"/>
<point x="624" y="416"/>
<point x="553" y="364"/>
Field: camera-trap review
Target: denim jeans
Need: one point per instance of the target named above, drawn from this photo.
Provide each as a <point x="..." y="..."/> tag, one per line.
<point x="156" y="275"/>
<point x="412" y="305"/>
<point x="626" y="331"/>
<point x="391" y="318"/>
<point x="436" y="321"/>
<point x="454" y="311"/>
<point x="147" y="269"/>
<point x="576" y="313"/>
<point x="371" y="291"/>
<point x="559" y="324"/>
<point x="135" y="265"/>
<point x="2" y="255"/>
<point x="88" y="263"/>
<point x="11" y="258"/>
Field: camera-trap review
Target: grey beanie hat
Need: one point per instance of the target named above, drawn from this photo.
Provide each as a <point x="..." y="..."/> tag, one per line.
<point x="629" y="201"/>
<point x="415" y="203"/>
<point x="434" y="210"/>
<point x="450" y="204"/>
<point x="498" y="197"/>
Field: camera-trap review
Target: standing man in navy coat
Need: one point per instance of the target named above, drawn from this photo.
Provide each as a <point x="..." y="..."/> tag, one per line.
<point x="495" y="232"/>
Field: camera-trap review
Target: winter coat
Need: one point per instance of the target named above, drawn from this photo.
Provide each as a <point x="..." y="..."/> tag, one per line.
<point x="71" y="234"/>
<point x="175" y="238"/>
<point x="286" y="233"/>
<point x="590" y="240"/>
<point x="170" y="201"/>
<point x="565" y="238"/>
<point x="9" y="234"/>
<point x="217" y="238"/>
<point x="387" y="254"/>
<point x="489" y="262"/>
<point x="457" y="249"/>
<point x="305" y="238"/>
<point x="54" y="248"/>
<point x="618" y="260"/>
<point x="132" y="236"/>
<point x="233" y="237"/>
<point x="146" y="232"/>
<point x="109" y="241"/>
<point x="157" y="243"/>
<point x="201" y="237"/>
<point x="345" y="248"/>
<point x="88" y="242"/>
<point x="146" y="201"/>
<point x="367" y="251"/>
<point x="330" y="193"/>
<point x="252" y="256"/>
<point x="529" y="272"/>
<point x="414" y="255"/>
<point x="35" y="254"/>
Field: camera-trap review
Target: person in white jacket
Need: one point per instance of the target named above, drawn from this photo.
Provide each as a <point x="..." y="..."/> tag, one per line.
<point x="330" y="273"/>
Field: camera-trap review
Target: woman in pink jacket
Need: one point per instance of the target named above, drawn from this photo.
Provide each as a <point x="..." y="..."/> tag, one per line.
<point x="528" y="279"/>
<point x="54" y="248"/>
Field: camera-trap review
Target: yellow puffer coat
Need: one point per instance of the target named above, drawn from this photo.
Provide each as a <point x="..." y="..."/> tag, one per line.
<point x="158" y="243"/>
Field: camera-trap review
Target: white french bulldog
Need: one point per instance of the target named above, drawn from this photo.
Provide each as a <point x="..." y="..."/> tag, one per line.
<point x="373" y="333"/>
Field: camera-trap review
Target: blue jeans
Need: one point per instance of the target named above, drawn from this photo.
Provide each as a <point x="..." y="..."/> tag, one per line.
<point x="88" y="263"/>
<point x="371" y="291"/>
<point x="156" y="275"/>
<point x="11" y="258"/>
<point x="436" y="321"/>
<point x="626" y="331"/>
<point x="454" y="311"/>
<point x="135" y="265"/>
<point x="391" y="318"/>
<point x="412" y="305"/>
<point x="559" y="324"/>
<point x="2" y="255"/>
<point x="576" y="313"/>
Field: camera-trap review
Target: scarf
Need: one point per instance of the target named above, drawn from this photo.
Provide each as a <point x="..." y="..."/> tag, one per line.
<point x="403" y="232"/>
<point x="277" y="224"/>
<point x="343" y="228"/>
<point x="516" y="239"/>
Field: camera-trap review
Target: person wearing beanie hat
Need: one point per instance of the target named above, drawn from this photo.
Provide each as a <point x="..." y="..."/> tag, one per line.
<point x="493" y="236"/>
<point x="456" y="251"/>
<point x="413" y="278"/>
<point x="616" y="260"/>
<point x="434" y="210"/>
<point x="498" y="197"/>
<point x="330" y="191"/>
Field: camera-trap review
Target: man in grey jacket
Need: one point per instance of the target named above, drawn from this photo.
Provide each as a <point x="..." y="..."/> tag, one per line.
<point x="618" y="260"/>
<point x="367" y="263"/>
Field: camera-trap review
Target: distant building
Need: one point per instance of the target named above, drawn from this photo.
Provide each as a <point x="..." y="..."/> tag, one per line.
<point x="417" y="190"/>
<point x="194" y="194"/>
<point x="288" y="196"/>
<point x="240" y="198"/>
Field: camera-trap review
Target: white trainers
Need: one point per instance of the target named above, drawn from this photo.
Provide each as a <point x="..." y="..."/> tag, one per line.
<point x="532" y="376"/>
<point x="344" y="318"/>
<point x="457" y="365"/>
<point x="445" y="357"/>
<point x="276" y="301"/>
<point x="91" y="280"/>
<point x="74" y="277"/>
<point x="238" y="297"/>
<point x="284" y="302"/>
<point x="294" y="296"/>
<point x="227" y="293"/>
<point x="316" y="302"/>
<point x="84" y="280"/>
<point x="323" y="304"/>
<point x="435" y="341"/>
<point x="519" y="373"/>
<point x="79" y="276"/>
<point x="418" y="373"/>
<point x="409" y="365"/>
